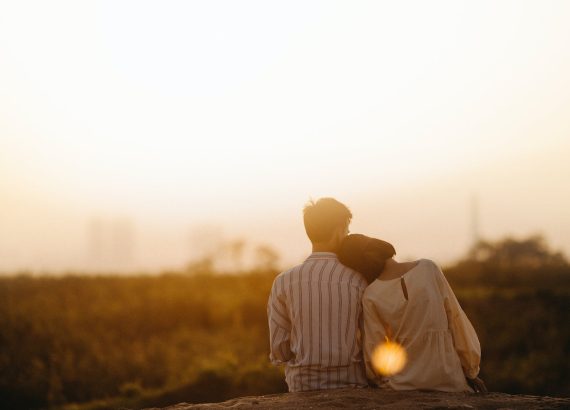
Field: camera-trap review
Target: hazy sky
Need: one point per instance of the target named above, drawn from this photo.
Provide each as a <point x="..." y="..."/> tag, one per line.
<point x="224" y="118"/>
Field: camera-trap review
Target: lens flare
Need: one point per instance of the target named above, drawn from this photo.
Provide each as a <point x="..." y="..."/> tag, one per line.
<point x="389" y="358"/>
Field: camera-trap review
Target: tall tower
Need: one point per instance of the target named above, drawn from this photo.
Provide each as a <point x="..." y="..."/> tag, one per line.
<point x="474" y="216"/>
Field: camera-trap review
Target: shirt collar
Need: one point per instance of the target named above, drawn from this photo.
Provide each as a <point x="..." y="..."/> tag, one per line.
<point x="322" y="255"/>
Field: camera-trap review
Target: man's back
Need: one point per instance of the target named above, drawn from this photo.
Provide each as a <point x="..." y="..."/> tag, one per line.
<point x="315" y="314"/>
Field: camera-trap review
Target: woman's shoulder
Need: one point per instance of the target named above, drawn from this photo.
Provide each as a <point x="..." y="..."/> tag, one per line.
<point x="433" y="273"/>
<point x="429" y="268"/>
<point x="428" y="263"/>
<point x="421" y="265"/>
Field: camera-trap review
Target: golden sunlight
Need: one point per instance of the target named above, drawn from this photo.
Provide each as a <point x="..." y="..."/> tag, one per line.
<point x="389" y="358"/>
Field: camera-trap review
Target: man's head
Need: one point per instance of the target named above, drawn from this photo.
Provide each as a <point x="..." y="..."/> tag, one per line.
<point x="326" y="223"/>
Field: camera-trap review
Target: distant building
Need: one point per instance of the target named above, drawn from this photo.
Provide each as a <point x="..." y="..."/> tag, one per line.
<point x="110" y="243"/>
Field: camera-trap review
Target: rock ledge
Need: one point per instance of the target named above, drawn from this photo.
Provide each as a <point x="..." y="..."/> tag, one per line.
<point x="381" y="399"/>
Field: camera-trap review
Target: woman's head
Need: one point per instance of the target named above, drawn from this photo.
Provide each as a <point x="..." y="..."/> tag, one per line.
<point x="365" y="254"/>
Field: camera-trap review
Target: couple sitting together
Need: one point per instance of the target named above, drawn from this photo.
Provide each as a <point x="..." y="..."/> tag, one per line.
<point x="329" y="314"/>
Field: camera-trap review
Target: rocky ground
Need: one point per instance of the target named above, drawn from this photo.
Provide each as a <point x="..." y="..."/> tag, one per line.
<point x="380" y="399"/>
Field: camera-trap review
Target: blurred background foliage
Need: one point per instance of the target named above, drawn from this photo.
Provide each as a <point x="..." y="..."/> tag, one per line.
<point x="93" y="342"/>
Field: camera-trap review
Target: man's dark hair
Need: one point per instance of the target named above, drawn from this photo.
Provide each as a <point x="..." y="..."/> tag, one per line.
<point x="321" y="218"/>
<point x="365" y="255"/>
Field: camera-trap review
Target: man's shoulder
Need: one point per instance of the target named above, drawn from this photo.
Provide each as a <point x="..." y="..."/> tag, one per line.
<point x="290" y="271"/>
<point x="354" y="278"/>
<point x="287" y="273"/>
<point x="339" y="273"/>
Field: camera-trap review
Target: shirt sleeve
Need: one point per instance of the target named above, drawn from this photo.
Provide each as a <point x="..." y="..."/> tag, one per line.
<point x="465" y="338"/>
<point x="279" y="326"/>
<point x="374" y="334"/>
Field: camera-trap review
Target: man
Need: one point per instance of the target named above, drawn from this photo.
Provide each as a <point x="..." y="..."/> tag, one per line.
<point x="314" y="309"/>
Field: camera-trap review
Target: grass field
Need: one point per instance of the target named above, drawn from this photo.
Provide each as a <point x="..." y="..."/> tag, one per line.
<point x="81" y="342"/>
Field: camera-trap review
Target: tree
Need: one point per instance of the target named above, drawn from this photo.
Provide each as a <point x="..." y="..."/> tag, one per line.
<point x="266" y="257"/>
<point x="529" y="253"/>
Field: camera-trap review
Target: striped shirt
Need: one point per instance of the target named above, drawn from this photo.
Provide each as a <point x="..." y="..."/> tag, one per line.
<point x="315" y="322"/>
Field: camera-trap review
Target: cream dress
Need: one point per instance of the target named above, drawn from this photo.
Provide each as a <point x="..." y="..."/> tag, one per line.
<point x="423" y="315"/>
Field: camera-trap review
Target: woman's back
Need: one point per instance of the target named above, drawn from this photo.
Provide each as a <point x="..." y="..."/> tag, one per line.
<point x="419" y="311"/>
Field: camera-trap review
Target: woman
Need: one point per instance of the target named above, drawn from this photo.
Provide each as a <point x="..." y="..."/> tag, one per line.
<point x="412" y="304"/>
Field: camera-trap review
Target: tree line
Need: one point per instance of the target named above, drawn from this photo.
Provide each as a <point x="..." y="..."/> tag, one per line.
<point x="198" y="336"/>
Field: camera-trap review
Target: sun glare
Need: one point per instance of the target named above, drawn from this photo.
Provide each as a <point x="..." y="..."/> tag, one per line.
<point x="389" y="358"/>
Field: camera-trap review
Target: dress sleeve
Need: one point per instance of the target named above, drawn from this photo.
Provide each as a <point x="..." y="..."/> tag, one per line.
<point x="465" y="338"/>
<point x="374" y="334"/>
<point x="279" y="326"/>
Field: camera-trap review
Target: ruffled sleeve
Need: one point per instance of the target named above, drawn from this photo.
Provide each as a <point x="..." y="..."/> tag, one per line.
<point x="465" y="338"/>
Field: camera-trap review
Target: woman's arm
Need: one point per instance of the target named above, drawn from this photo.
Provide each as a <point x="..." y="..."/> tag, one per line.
<point x="465" y="338"/>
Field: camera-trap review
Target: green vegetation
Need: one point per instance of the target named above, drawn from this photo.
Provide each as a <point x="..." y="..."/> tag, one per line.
<point x="81" y="342"/>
